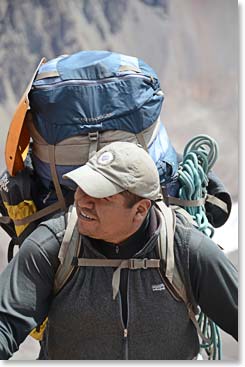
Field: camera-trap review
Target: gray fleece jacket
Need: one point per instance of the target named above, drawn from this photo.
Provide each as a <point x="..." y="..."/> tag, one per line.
<point x="84" y="320"/>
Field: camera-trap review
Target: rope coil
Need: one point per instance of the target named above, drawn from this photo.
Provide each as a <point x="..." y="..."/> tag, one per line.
<point x="199" y="156"/>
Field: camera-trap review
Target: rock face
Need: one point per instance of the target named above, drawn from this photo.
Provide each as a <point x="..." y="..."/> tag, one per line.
<point x="192" y="45"/>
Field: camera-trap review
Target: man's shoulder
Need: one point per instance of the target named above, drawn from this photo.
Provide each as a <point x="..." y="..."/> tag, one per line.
<point x="48" y="235"/>
<point x="188" y="236"/>
<point x="55" y="226"/>
<point x="184" y="230"/>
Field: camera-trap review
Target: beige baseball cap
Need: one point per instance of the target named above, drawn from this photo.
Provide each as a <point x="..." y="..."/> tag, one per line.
<point x="117" y="167"/>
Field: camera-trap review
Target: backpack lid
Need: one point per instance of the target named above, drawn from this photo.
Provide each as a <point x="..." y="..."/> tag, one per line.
<point x="92" y="91"/>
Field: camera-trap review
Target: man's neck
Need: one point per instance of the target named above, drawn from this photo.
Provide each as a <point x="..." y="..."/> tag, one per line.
<point x="129" y="246"/>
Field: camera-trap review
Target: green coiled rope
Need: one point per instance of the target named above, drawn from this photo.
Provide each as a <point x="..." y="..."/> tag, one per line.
<point x="199" y="156"/>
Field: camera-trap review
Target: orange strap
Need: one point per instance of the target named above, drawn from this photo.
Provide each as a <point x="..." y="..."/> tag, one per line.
<point x="18" y="136"/>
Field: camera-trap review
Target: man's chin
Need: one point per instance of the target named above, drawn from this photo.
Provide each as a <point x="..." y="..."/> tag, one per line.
<point x="86" y="229"/>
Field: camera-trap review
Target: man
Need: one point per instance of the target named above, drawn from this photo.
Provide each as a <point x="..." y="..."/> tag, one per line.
<point x="107" y="311"/>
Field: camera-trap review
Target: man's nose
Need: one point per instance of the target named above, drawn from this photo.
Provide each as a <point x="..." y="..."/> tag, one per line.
<point x="85" y="200"/>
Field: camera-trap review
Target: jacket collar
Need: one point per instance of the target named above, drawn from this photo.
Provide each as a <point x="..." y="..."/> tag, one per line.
<point x="138" y="245"/>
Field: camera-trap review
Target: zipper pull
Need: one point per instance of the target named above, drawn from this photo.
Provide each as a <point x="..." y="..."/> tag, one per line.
<point x="117" y="249"/>
<point x="125" y="333"/>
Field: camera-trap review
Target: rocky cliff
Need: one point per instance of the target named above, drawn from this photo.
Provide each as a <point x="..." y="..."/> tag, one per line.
<point x="192" y="44"/>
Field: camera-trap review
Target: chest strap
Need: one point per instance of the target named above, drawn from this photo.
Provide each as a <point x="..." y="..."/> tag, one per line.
<point x="131" y="264"/>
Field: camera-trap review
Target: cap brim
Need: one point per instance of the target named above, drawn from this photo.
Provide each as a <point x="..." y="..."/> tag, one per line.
<point x="93" y="183"/>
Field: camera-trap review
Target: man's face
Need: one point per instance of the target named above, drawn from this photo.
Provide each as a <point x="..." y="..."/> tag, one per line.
<point x="107" y="219"/>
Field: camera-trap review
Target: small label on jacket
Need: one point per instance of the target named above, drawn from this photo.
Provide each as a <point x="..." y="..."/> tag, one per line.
<point x="158" y="287"/>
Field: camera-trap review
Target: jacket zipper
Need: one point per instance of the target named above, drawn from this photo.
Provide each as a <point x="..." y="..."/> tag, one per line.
<point x="125" y="327"/>
<point x="125" y="332"/>
<point x="150" y="80"/>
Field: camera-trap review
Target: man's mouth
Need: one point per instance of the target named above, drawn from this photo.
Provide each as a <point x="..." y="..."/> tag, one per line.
<point x="85" y="216"/>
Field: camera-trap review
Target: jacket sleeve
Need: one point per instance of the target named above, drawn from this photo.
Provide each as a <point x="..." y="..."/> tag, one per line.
<point x="26" y="287"/>
<point x="214" y="281"/>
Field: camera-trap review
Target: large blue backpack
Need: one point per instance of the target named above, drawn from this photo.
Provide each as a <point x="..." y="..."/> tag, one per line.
<point x="81" y="102"/>
<point x="73" y="106"/>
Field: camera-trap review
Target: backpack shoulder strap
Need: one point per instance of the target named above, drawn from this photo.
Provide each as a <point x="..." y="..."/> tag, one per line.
<point x="166" y="251"/>
<point x="166" y="238"/>
<point x="65" y="230"/>
<point x="70" y="248"/>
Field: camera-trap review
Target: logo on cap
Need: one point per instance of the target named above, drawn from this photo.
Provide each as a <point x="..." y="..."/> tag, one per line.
<point x="105" y="158"/>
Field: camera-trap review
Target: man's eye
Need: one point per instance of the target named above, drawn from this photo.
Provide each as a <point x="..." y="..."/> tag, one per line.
<point x="107" y="199"/>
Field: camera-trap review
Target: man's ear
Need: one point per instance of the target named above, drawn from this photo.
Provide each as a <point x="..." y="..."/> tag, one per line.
<point x="141" y="209"/>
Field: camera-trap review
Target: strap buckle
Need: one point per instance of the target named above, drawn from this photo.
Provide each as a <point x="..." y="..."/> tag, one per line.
<point x="93" y="136"/>
<point x="144" y="264"/>
<point x="137" y="264"/>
